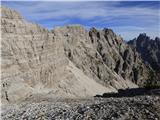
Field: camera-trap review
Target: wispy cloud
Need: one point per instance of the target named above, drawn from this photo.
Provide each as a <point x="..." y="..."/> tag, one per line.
<point x="124" y="17"/>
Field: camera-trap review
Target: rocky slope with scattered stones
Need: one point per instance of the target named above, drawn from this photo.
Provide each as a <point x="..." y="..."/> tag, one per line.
<point x="67" y="62"/>
<point x="135" y="108"/>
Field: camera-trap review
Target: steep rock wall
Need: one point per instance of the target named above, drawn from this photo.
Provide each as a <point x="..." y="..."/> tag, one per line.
<point x="67" y="62"/>
<point x="34" y="62"/>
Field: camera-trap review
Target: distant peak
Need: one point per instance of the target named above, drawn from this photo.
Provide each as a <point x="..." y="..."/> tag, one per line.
<point x="9" y="13"/>
<point x="142" y="34"/>
<point x="93" y="29"/>
<point x="157" y="39"/>
<point x="108" y="31"/>
<point x="142" y="37"/>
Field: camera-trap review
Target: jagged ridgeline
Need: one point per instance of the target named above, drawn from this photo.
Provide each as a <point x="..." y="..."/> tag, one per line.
<point x="149" y="50"/>
<point x="67" y="62"/>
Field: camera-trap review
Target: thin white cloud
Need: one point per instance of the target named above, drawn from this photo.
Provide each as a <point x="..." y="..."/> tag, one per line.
<point x="93" y="12"/>
<point x="82" y="10"/>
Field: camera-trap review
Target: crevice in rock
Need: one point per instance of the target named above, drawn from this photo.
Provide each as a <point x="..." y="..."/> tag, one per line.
<point x="135" y="74"/>
<point x="6" y="96"/>
<point x="116" y="69"/>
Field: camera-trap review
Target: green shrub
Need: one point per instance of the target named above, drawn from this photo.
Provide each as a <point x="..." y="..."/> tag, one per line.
<point x="152" y="86"/>
<point x="152" y="82"/>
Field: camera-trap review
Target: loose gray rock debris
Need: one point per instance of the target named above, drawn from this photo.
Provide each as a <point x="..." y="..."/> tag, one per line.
<point x="134" y="108"/>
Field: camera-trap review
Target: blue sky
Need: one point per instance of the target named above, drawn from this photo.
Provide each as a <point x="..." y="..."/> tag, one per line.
<point x="126" y="18"/>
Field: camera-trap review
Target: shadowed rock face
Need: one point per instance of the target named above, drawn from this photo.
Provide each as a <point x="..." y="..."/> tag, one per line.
<point x="148" y="49"/>
<point x="150" y="53"/>
<point x="65" y="62"/>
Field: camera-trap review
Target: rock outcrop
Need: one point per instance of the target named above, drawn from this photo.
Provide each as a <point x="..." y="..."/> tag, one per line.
<point x="65" y="62"/>
<point x="148" y="49"/>
<point x="103" y="55"/>
<point x="34" y="62"/>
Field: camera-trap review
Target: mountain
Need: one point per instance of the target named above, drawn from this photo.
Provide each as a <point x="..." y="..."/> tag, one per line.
<point x="66" y="62"/>
<point x="149" y="49"/>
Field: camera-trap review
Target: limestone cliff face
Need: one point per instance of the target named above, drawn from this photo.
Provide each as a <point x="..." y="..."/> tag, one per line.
<point x="65" y="62"/>
<point x="31" y="56"/>
<point x="103" y="55"/>
<point x="118" y="56"/>
<point x="34" y="61"/>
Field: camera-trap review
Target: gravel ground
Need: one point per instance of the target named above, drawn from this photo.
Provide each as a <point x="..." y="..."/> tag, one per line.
<point x="126" y="108"/>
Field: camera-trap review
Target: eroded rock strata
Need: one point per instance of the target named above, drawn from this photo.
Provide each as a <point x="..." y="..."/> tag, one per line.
<point x="67" y="62"/>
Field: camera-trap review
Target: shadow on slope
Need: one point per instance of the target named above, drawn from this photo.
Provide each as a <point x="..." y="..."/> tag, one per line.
<point x="131" y="92"/>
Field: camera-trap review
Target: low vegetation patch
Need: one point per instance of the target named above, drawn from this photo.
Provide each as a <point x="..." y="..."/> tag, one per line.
<point x="153" y="82"/>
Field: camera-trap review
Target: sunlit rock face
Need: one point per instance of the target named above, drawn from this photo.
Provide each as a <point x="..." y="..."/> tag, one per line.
<point x="32" y="58"/>
<point x="103" y="55"/>
<point x="67" y="62"/>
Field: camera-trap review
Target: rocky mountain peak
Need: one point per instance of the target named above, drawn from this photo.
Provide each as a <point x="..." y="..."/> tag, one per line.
<point x="143" y="37"/>
<point x="157" y="39"/>
<point x="68" y="62"/>
<point x="149" y="50"/>
<point x="109" y="31"/>
<point x="10" y="13"/>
